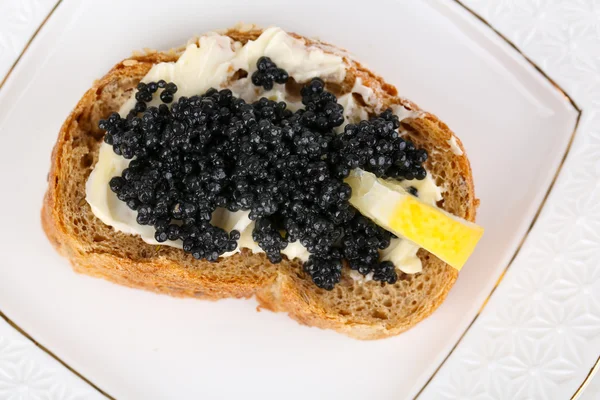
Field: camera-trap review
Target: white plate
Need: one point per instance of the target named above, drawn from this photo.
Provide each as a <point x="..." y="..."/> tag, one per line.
<point x="132" y="344"/>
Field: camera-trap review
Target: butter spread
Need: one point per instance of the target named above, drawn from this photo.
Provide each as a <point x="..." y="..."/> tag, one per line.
<point x="404" y="113"/>
<point x="213" y="63"/>
<point x="353" y="112"/>
<point x="454" y="147"/>
<point x="367" y="94"/>
<point x="360" y="278"/>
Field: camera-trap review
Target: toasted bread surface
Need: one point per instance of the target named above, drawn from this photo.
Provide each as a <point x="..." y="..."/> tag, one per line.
<point x="364" y="310"/>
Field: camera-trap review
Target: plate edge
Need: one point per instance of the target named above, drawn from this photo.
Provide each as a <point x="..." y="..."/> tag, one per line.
<point x="578" y="110"/>
<point x="2" y="315"/>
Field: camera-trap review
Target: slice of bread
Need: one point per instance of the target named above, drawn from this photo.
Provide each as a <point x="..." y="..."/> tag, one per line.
<point x="364" y="310"/>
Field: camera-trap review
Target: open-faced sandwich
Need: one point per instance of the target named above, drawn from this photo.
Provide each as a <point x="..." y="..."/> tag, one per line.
<point x="262" y="163"/>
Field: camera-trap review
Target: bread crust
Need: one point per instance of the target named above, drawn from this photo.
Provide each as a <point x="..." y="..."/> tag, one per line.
<point x="284" y="288"/>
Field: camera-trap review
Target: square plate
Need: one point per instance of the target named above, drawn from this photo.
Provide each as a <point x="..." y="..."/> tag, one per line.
<point x="515" y="126"/>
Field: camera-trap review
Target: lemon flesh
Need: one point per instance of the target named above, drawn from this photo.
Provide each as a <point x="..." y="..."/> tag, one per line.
<point x="389" y="205"/>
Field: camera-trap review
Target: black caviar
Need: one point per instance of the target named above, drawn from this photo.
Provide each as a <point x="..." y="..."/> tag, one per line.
<point x="286" y="168"/>
<point x="376" y="146"/>
<point x="267" y="73"/>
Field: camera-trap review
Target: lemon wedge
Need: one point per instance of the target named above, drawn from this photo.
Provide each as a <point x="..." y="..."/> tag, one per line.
<point x="390" y="206"/>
